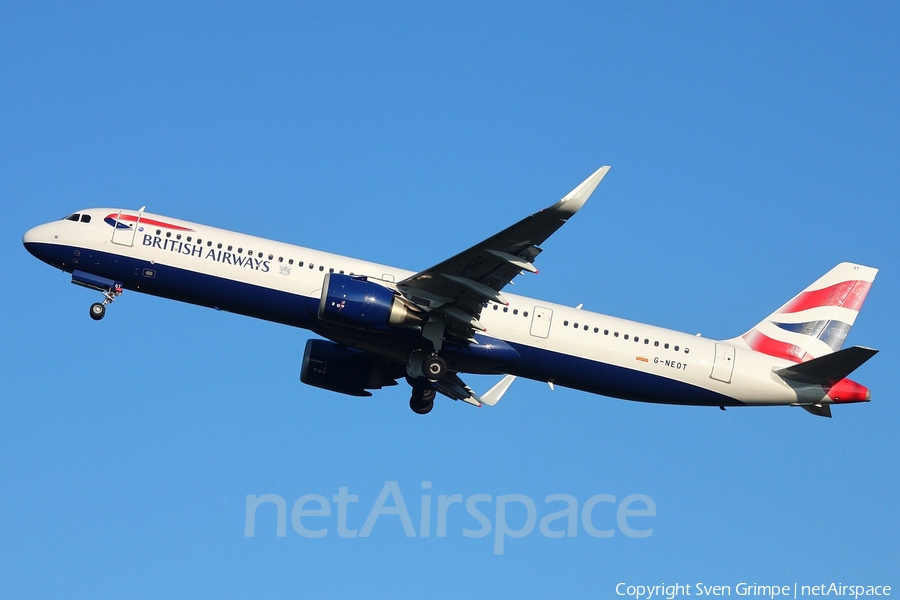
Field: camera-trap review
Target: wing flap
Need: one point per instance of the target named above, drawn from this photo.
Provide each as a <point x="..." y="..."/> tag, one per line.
<point x="454" y="387"/>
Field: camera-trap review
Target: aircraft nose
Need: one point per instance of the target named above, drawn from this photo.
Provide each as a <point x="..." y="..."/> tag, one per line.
<point x="31" y="236"/>
<point x="34" y="239"/>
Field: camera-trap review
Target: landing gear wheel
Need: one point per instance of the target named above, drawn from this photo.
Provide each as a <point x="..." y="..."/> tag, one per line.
<point x="422" y="401"/>
<point x="434" y="367"/>
<point x="98" y="310"/>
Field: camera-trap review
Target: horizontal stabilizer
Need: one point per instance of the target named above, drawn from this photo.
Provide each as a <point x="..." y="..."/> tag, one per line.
<point x="831" y="367"/>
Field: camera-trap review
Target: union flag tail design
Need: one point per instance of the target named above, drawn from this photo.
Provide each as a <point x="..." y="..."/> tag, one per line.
<point x="816" y="321"/>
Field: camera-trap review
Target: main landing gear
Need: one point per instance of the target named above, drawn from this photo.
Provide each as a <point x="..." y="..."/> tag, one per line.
<point x="422" y="400"/>
<point x="434" y="367"/>
<point x="422" y="364"/>
<point x="423" y="369"/>
<point x="98" y="309"/>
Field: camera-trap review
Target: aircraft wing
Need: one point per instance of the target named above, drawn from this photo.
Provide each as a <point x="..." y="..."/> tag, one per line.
<point x="456" y="289"/>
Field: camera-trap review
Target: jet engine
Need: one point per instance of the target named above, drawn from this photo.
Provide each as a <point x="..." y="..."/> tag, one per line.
<point x="357" y="302"/>
<point x="341" y="369"/>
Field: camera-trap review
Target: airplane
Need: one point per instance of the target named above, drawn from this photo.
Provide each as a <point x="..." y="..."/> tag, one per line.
<point x="382" y="324"/>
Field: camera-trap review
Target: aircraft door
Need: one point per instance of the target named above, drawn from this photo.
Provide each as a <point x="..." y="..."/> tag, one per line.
<point x="125" y="227"/>
<point x="723" y="367"/>
<point x="540" y="322"/>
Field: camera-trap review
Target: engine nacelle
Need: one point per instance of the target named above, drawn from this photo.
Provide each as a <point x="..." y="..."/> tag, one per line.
<point x="341" y="369"/>
<point x="358" y="302"/>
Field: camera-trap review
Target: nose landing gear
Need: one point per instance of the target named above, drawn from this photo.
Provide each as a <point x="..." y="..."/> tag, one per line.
<point x="109" y="288"/>
<point x="98" y="309"/>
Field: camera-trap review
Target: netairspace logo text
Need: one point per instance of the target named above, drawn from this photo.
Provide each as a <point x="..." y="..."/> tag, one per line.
<point x="312" y="515"/>
<point x="793" y="590"/>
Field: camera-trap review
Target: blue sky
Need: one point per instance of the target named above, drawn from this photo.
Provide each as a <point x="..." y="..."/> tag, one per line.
<point x="753" y="147"/>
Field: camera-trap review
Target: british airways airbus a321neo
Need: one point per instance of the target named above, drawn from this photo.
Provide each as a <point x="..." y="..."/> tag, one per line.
<point x="384" y="324"/>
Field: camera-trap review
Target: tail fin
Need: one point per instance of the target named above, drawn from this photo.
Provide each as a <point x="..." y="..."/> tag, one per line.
<point x="816" y="321"/>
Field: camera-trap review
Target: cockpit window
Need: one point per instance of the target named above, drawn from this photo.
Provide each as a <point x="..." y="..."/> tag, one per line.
<point x="74" y="217"/>
<point x="85" y="218"/>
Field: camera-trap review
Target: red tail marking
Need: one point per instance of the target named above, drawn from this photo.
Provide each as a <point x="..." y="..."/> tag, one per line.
<point x="849" y="294"/>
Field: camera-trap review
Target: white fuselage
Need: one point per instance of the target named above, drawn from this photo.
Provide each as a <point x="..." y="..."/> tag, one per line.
<point x="167" y="257"/>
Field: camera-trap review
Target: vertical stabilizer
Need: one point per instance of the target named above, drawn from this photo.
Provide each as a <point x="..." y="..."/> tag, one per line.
<point x="816" y="321"/>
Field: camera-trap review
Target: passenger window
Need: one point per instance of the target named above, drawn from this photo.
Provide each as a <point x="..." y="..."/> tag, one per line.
<point x="260" y="256"/>
<point x="565" y="323"/>
<point x="676" y="348"/>
<point x="525" y="314"/>
<point x="168" y="234"/>
<point x="331" y="270"/>
<point x="85" y="218"/>
<point x="687" y="351"/>
<point x="230" y="247"/>
<point x="616" y="334"/>
<point x="626" y="336"/>
<point x="291" y="261"/>
<point x="656" y="344"/>
<point x="240" y="250"/>
<point x="270" y="257"/>
<point x="647" y="340"/>
<point x="585" y="327"/>
<point x="299" y="264"/>
<point x="505" y="309"/>
<point x="575" y="325"/>
<point x="495" y="307"/>
<point x="637" y="340"/>
<point x="280" y="259"/>
<point x="209" y="244"/>
<point x="219" y="246"/>
<point x="515" y="311"/>
<point x="178" y="237"/>
<point x="321" y="268"/>
<point x="666" y="346"/>
<point x="606" y="332"/>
